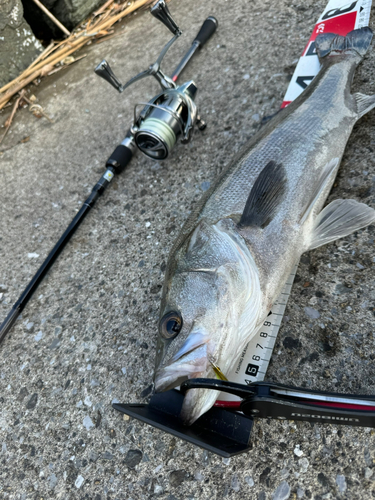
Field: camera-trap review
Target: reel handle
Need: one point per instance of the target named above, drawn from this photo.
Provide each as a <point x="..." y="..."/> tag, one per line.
<point x="104" y="70"/>
<point x="161" y="12"/>
<point x="207" y="30"/>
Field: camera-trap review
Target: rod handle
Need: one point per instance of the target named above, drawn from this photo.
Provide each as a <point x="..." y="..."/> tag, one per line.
<point x="120" y="158"/>
<point x="207" y="30"/>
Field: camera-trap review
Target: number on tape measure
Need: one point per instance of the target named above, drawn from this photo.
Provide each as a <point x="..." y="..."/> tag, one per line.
<point x="252" y="370"/>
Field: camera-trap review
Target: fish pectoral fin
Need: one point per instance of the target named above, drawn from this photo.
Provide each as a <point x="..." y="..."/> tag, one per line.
<point x="323" y="182"/>
<point x="340" y="218"/>
<point x="265" y="196"/>
<point x="365" y="103"/>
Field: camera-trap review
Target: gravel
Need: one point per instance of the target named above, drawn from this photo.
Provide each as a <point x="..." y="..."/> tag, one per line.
<point x="282" y="492"/>
<point x="98" y="309"/>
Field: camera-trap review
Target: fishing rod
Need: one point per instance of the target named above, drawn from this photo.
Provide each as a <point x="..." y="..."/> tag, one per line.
<point x="170" y="115"/>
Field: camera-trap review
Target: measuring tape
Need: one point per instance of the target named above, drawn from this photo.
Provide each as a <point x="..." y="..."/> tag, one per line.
<point x="338" y="17"/>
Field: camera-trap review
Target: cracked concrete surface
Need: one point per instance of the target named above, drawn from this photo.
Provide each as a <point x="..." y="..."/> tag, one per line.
<point x="88" y="336"/>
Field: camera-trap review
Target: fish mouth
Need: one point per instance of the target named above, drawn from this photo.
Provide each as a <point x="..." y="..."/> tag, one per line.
<point x="173" y="375"/>
<point x="196" y="403"/>
<point x="191" y="361"/>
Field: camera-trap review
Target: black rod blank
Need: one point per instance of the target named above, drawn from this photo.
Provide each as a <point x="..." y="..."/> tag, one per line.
<point x="16" y="310"/>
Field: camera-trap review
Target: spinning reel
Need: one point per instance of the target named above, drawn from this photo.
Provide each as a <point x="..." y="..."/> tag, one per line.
<point x="173" y="113"/>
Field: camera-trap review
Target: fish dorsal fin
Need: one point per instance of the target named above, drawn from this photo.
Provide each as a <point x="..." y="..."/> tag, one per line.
<point x="340" y="218"/>
<point x="323" y="181"/>
<point x="265" y="196"/>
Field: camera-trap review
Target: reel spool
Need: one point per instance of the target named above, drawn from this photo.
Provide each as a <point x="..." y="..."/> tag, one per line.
<point x="168" y="116"/>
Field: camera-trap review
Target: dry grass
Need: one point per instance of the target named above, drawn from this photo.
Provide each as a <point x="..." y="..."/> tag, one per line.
<point x="59" y="54"/>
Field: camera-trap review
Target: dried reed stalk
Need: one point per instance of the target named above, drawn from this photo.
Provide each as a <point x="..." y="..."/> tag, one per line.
<point x="55" y="53"/>
<point x="52" y="17"/>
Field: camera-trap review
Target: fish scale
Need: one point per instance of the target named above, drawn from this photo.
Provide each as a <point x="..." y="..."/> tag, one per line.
<point x="231" y="196"/>
<point x="287" y="144"/>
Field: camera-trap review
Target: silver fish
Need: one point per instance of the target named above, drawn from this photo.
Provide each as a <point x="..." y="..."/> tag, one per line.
<point x="237" y="249"/>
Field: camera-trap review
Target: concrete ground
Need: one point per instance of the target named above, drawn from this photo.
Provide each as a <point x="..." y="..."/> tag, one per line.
<point x="88" y="335"/>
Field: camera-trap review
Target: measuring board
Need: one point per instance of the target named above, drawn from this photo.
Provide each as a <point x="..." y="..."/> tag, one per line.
<point x="340" y="17"/>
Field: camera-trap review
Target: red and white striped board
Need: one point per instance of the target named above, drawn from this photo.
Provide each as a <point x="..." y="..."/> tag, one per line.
<point x="339" y="17"/>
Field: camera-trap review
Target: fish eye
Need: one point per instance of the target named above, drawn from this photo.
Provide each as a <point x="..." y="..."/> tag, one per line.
<point x="170" y="325"/>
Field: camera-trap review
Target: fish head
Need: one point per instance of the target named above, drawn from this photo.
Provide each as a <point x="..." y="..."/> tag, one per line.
<point x="203" y="299"/>
<point x="193" y="328"/>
